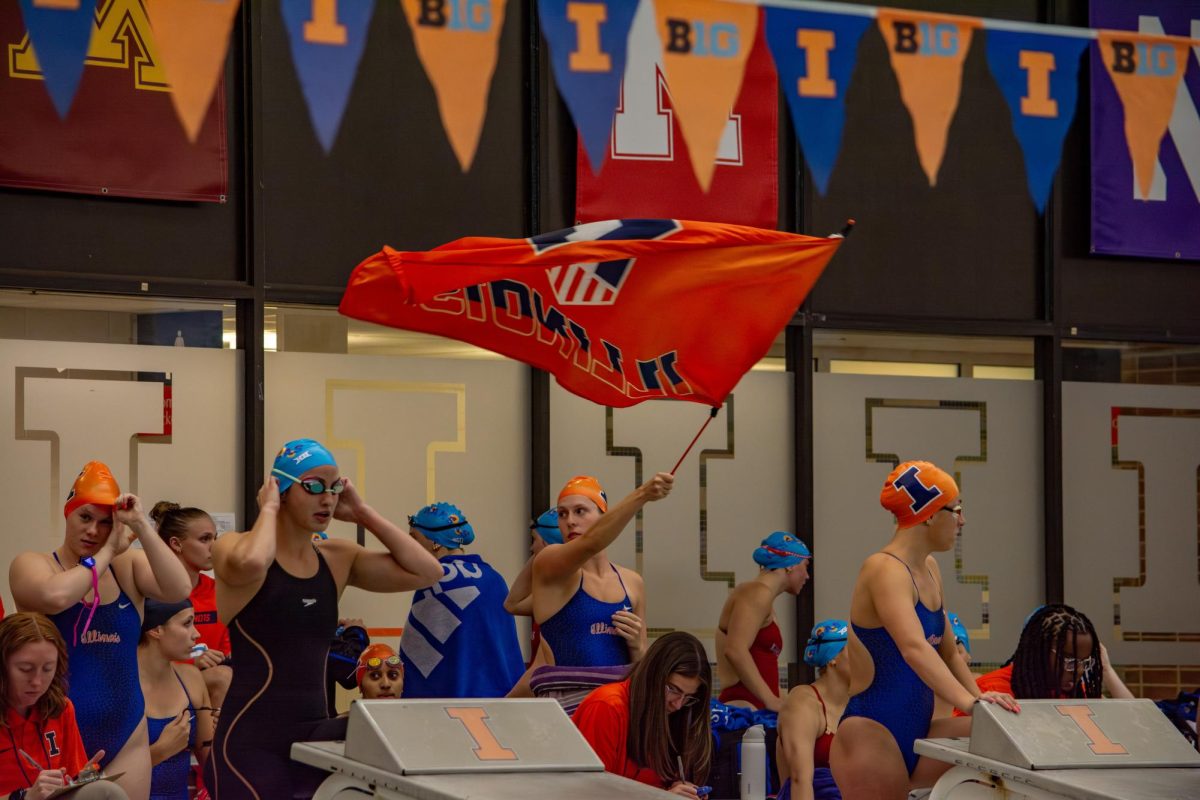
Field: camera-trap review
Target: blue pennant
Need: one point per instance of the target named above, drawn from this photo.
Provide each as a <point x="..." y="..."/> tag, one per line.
<point x="588" y="43"/>
<point x="815" y="54"/>
<point x="60" y="39"/>
<point x="1017" y="59"/>
<point x="326" y="53"/>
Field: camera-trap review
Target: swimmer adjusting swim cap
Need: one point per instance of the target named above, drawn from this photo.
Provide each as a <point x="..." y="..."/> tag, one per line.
<point x="780" y="550"/>
<point x="444" y="524"/>
<point x="546" y="526"/>
<point x="827" y="640"/>
<point x="915" y="491"/>
<point x="297" y="456"/>
<point x="95" y="484"/>
<point x="587" y="486"/>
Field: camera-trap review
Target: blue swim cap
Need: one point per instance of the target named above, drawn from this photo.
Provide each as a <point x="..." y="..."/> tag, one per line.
<point x="297" y="456"/>
<point x="827" y="640"/>
<point x="546" y="526"/>
<point x="780" y="550"/>
<point x="444" y="524"/>
<point x="960" y="632"/>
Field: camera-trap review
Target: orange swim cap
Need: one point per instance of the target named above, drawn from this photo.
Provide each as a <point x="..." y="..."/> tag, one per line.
<point x="95" y="485"/>
<point x="915" y="491"/>
<point x="587" y="486"/>
<point x="378" y="650"/>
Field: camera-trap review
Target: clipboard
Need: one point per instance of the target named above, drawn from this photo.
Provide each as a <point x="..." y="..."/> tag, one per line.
<point x="71" y="787"/>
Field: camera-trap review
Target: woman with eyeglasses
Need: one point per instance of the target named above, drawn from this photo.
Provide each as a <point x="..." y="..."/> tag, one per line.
<point x="810" y="716"/>
<point x="40" y="746"/>
<point x="1059" y="656"/>
<point x="92" y="588"/>
<point x="278" y="591"/>
<point x="748" y="639"/>
<point x="458" y="641"/>
<point x="191" y="533"/>
<point x="900" y="655"/>
<point x="653" y="726"/>
<point x="380" y="673"/>
<point x="179" y="711"/>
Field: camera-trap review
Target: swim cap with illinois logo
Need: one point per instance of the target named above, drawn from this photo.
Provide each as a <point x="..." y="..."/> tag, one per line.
<point x="95" y="485"/>
<point x="915" y="491"/>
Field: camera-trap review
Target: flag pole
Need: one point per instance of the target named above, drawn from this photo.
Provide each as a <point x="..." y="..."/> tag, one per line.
<point x="712" y="414"/>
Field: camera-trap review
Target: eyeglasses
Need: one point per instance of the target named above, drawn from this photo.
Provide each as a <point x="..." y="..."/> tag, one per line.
<point x="314" y="485"/>
<point x="1076" y="664"/>
<point x="674" y="692"/>
<point x="375" y="662"/>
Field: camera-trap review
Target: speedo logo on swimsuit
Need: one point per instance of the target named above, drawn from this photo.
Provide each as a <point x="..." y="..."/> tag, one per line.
<point x="600" y="628"/>
<point x="934" y="639"/>
<point x="96" y="637"/>
<point x="308" y="601"/>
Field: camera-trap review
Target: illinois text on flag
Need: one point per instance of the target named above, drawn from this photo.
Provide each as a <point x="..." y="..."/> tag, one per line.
<point x="619" y="311"/>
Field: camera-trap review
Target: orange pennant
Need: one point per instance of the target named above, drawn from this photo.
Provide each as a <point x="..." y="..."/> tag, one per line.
<point x="192" y="36"/>
<point x="457" y="42"/>
<point x="927" y="53"/>
<point x="705" y="44"/>
<point x="1146" y="71"/>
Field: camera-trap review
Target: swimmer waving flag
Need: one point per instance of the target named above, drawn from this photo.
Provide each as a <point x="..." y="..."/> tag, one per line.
<point x="619" y="311"/>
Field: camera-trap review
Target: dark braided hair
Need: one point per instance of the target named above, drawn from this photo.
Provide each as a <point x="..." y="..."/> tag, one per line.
<point x="1038" y="661"/>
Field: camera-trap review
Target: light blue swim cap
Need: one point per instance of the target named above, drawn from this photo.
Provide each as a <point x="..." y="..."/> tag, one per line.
<point x="960" y="632"/>
<point x="297" y="456"/>
<point x="780" y="550"/>
<point x="827" y="640"/>
<point x="546" y="526"/>
<point x="444" y="524"/>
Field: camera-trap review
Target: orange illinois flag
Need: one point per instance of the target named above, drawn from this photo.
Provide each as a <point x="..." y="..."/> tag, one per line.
<point x="620" y="311"/>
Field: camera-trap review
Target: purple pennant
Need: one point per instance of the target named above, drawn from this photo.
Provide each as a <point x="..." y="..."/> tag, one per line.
<point x="327" y="43"/>
<point x="60" y="38"/>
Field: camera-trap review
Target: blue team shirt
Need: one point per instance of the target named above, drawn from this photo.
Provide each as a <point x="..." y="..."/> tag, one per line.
<point x="459" y="640"/>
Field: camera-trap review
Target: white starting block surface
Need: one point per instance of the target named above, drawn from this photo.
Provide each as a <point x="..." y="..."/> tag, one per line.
<point x="1078" y="749"/>
<point x="455" y="749"/>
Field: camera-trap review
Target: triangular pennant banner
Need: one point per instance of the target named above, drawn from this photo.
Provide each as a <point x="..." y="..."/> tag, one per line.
<point x="588" y="42"/>
<point x="1038" y="75"/>
<point x="927" y="53"/>
<point x="705" y="44"/>
<point x="815" y="54"/>
<point x="327" y="41"/>
<point x="457" y="42"/>
<point x="60" y="33"/>
<point x="192" y="36"/>
<point x="1146" y="71"/>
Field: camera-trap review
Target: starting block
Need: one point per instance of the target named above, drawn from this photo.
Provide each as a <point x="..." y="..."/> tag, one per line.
<point x="1078" y="749"/>
<point x="454" y="749"/>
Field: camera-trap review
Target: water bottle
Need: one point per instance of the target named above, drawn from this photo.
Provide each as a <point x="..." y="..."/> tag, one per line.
<point x="754" y="764"/>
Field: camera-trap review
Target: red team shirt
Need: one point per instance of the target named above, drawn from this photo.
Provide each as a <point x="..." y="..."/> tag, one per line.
<point x="204" y="602"/>
<point x="53" y="743"/>
<point x="603" y="719"/>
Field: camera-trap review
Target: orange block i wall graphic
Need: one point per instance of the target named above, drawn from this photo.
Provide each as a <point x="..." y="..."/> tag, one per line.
<point x="927" y="53"/>
<point x="457" y="42"/>
<point x="704" y="46"/>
